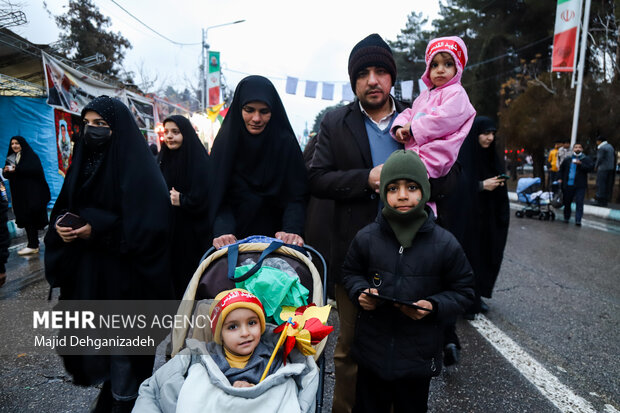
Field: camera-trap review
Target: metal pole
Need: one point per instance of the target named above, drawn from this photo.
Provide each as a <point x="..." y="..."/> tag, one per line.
<point x="572" y="81"/>
<point x="204" y="73"/>
<point x="207" y="73"/>
<point x="582" y="60"/>
<point x="205" y="62"/>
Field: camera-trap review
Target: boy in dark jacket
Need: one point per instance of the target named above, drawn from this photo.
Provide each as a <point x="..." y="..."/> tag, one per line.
<point x="405" y="258"/>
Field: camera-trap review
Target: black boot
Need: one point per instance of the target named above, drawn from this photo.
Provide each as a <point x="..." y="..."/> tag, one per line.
<point x="103" y="402"/>
<point x="122" y="406"/>
<point x="450" y="354"/>
<point x="484" y="308"/>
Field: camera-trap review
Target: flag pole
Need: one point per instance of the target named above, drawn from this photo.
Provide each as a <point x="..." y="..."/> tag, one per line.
<point x="582" y="60"/>
<point x="572" y="80"/>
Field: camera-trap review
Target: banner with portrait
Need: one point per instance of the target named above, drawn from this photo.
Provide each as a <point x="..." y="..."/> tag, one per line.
<point x="142" y="109"/>
<point x="163" y="109"/>
<point x="68" y="128"/>
<point x="69" y="89"/>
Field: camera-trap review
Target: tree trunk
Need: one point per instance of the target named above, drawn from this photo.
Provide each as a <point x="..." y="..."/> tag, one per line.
<point x="538" y="157"/>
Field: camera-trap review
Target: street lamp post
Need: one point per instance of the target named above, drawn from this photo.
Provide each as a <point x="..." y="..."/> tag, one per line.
<point x="205" y="57"/>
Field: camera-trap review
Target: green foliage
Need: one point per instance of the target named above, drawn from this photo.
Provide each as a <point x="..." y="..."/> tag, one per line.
<point x="84" y="34"/>
<point x="409" y="47"/>
<point x="498" y="34"/>
<point x="319" y="117"/>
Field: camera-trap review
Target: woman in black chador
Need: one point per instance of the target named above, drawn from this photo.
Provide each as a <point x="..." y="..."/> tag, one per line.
<point x="29" y="191"/>
<point x="479" y="213"/>
<point x="183" y="161"/>
<point x="118" y="246"/>
<point x="257" y="177"/>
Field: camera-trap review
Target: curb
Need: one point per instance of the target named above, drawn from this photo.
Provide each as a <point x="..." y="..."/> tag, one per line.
<point x="592" y="210"/>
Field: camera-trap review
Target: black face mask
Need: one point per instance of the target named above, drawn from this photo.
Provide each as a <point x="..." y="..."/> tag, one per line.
<point x="96" y="137"/>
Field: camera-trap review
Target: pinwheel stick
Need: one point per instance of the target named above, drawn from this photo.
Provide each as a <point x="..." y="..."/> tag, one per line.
<point x="275" y="350"/>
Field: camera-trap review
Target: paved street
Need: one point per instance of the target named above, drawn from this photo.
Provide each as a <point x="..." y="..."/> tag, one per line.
<point x="549" y="343"/>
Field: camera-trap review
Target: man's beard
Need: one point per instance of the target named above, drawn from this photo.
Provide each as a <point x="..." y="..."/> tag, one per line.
<point x="374" y="105"/>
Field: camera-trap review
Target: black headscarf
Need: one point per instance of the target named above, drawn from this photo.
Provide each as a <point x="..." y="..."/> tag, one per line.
<point x="257" y="173"/>
<point x="487" y="160"/>
<point x="185" y="168"/>
<point x="29" y="190"/>
<point x="479" y="219"/>
<point x="124" y="197"/>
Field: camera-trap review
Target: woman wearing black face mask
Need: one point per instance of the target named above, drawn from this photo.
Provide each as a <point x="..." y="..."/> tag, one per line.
<point x="118" y="247"/>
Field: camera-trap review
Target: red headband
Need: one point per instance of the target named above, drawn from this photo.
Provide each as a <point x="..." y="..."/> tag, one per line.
<point x="446" y="45"/>
<point x="232" y="297"/>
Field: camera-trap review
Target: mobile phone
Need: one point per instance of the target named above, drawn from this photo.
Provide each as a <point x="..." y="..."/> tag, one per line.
<point x="503" y="176"/>
<point x="71" y="220"/>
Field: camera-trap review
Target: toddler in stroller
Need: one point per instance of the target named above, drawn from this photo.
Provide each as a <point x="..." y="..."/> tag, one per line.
<point x="537" y="202"/>
<point x="224" y="375"/>
<point x="217" y="274"/>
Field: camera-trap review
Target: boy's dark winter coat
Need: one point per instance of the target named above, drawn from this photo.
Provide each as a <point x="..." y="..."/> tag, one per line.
<point x="433" y="268"/>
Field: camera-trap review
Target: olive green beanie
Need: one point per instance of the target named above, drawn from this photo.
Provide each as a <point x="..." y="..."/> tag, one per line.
<point x="404" y="164"/>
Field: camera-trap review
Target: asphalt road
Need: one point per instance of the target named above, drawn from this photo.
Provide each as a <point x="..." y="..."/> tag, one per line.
<point x="548" y="344"/>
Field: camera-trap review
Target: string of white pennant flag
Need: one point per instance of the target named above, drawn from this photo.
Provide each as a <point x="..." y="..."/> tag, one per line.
<point x="328" y="88"/>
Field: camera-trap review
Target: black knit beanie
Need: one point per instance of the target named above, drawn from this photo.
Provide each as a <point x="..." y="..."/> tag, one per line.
<point x="371" y="51"/>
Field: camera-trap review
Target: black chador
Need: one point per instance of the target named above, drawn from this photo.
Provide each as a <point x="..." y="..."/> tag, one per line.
<point x="185" y="170"/>
<point x="258" y="182"/>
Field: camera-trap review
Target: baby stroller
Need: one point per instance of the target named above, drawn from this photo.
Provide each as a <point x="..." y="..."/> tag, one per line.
<point x="217" y="267"/>
<point x="537" y="202"/>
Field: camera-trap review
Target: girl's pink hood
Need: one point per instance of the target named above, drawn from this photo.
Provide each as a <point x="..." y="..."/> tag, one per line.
<point x="453" y="45"/>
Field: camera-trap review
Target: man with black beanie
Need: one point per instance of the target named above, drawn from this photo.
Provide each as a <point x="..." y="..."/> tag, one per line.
<point x="352" y="145"/>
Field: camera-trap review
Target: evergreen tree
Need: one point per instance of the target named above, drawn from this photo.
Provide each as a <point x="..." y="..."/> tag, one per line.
<point x="319" y="117"/>
<point x="498" y="34"/>
<point x="83" y="34"/>
<point x="409" y="48"/>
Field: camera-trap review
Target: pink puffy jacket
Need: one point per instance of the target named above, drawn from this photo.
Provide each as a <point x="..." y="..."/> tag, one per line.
<point x="440" y="117"/>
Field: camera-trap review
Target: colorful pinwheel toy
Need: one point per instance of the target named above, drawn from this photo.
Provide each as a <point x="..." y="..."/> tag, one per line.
<point x="303" y="327"/>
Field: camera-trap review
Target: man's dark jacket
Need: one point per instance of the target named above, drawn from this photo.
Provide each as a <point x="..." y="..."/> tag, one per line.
<point x="339" y="170"/>
<point x="581" y="176"/>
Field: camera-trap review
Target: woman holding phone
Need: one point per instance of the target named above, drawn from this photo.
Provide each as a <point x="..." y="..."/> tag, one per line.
<point x="479" y="214"/>
<point x="29" y="191"/>
<point x="113" y="244"/>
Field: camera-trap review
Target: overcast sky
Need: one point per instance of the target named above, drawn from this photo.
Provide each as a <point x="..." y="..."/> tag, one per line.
<point x="306" y="40"/>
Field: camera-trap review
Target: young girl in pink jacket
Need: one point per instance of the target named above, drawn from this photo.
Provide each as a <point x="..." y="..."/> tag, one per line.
<point x="441" y="117"/>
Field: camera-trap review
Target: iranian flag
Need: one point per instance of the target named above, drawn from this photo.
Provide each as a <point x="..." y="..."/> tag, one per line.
<point x="213" y="79"/>
<point x="565" y="36"/>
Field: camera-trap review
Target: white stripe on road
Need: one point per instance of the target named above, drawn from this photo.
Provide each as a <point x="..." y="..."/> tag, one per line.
<point x="549" y="385"/>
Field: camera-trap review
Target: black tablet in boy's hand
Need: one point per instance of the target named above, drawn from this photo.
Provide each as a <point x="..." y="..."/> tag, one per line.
<point x="396" y="301"/>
